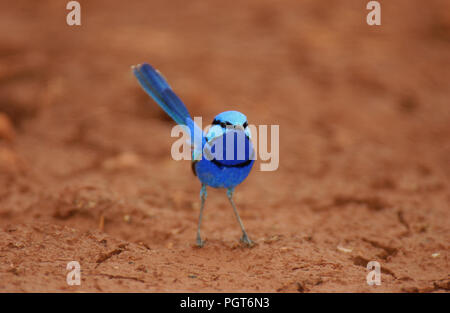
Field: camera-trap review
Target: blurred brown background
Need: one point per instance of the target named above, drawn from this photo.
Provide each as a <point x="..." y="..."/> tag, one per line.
<point x="85" y="166"/>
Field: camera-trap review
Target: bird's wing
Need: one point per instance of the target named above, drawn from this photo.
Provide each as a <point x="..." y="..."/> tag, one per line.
<point x="158" y="88"/>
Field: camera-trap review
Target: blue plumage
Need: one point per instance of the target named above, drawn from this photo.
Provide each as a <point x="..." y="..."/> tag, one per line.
<point x="227" y="153"/>
<point x="224" y="171"/>
<point x="157" y="87"/>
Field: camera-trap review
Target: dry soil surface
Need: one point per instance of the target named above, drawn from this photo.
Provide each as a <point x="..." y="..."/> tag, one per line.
<point x="86" y="173"/>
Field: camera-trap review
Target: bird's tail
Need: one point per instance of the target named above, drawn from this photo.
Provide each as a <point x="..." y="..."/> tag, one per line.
<point x="158" y="88"/>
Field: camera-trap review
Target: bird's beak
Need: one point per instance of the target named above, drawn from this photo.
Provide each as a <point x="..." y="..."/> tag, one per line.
<point x="238" y="127"/>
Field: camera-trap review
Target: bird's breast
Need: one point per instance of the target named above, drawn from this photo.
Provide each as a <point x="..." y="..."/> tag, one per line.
<point x="226" y="160"/>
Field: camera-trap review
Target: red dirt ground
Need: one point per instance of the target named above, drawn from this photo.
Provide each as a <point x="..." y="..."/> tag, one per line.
<point x="86" y="172"/>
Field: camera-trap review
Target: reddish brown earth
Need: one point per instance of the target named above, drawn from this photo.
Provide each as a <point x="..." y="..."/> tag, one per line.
<point x="86" y="172"/>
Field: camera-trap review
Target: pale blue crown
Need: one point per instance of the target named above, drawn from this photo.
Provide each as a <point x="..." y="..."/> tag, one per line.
<point x="233" y="117"/>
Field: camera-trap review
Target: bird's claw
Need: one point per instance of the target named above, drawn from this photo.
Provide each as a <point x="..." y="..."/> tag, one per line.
<point x="200" y="242"/>
<point x="247" y="240"/>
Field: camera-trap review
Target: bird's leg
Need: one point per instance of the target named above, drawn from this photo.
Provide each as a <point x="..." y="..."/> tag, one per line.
<point x="245" y="239"/>
<point x="203" y="195"/>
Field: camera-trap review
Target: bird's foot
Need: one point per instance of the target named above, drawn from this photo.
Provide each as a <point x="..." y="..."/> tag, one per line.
<point x="245" y="239"/>
<point x="200" y="242"/>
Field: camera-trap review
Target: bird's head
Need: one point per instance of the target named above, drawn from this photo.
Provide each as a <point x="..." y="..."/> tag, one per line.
<point x="232" y="120"/>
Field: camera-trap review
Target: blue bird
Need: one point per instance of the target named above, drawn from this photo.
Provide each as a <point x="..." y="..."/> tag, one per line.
<point x="218" y="159"/>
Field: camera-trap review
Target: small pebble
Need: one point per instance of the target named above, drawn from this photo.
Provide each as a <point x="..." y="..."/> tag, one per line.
<point x="435" y="255"/>
<point x="343" y="249"/>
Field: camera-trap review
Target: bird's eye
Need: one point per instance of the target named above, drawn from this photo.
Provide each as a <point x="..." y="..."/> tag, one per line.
<point x="245" y="124"/>
<point x="223" y="125"/>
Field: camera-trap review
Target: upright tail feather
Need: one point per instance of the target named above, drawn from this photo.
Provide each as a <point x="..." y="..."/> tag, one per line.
<point x="158" y="88"/>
